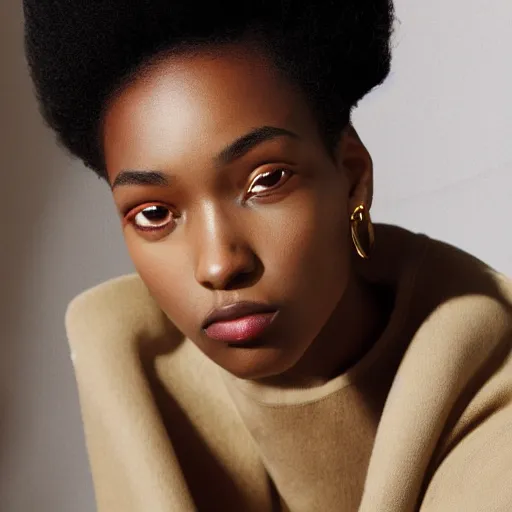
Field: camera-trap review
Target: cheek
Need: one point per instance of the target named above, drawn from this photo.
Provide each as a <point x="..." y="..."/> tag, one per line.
<point x="163" y="271"/>
<point x="310" y="247"/>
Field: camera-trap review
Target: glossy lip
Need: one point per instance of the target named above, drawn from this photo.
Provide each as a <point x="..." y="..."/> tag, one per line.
<point x="237" y="310"/>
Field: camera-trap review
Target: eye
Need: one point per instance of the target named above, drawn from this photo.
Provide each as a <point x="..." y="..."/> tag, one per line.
<point x="269" y="180"/>
<point x="151" y="217"/>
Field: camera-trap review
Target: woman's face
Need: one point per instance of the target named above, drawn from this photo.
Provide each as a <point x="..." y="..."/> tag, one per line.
<point x="227" y="194"/>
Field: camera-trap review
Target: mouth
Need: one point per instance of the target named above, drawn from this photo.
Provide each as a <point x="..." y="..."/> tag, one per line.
<point x="240" y="323"/>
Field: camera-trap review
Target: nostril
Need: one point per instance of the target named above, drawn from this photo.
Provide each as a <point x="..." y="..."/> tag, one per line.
<point x="240" y="280"/>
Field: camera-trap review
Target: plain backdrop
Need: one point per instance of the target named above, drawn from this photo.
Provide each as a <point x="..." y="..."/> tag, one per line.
<point x="440" y="132"/>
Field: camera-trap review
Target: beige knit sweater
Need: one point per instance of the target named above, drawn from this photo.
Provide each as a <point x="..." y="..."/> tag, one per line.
<point x="422" y="422"/>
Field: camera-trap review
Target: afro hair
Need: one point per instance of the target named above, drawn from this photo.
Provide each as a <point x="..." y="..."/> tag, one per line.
<point x="79" y="52"/>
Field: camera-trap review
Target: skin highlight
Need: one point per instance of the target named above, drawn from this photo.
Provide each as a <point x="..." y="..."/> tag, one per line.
<point x="261" y="217"/>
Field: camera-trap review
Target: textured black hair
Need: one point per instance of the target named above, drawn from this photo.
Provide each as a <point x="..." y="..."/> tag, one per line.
<point x="79" y="52"/>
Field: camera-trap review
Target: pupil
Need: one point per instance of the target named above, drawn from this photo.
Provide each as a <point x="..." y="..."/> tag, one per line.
<point x="155" y="213"/>
<point x="271" y="179"/>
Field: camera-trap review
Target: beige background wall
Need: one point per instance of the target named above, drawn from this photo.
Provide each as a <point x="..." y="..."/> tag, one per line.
<point x="440" y="132"/>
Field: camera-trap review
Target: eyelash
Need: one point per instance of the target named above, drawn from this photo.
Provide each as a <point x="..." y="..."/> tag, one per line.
<point x="132" y="214"/>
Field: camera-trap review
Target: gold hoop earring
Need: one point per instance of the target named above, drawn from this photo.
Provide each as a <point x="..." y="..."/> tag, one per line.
<point x="363" y="242"/>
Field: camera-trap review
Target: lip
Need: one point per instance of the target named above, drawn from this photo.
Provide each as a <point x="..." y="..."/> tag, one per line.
<point x="240" y="322"/>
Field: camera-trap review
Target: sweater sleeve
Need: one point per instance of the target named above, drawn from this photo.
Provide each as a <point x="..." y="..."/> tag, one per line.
<point x="476" y="477"/>
<point x="133" y="465"/>
<point x="473" y="472"/>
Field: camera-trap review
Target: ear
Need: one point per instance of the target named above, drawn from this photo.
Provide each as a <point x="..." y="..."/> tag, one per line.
<point x="355" y="161"/>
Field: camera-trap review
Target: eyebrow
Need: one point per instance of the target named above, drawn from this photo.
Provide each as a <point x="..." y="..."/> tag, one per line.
<point x="229" y="154"/>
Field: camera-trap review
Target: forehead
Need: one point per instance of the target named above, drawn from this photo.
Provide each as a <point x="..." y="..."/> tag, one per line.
<point x="195" y="104"/>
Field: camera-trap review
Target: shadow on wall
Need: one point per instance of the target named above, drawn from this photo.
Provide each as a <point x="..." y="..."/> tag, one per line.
<point x="59" y="235"/>
<point x="26" y="167"/>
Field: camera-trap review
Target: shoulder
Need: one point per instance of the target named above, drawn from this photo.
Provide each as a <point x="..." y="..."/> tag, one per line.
<point x="448" y="416"/>
<point x="117" y="318"/>
<point x="460" y="291"/>
<point x="450" y="290"/>
<point x="109" y="304"/>
<point x="445" y="278"/>
<point x="461" y="316"/>
<point x="470" y="468"/>
<point x="467" y="336"/>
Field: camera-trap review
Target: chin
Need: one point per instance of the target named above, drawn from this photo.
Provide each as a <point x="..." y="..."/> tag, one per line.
<point x="258" y="363"/>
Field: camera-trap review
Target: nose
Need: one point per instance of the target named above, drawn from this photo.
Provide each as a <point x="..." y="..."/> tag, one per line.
<point x="225" y="260"/>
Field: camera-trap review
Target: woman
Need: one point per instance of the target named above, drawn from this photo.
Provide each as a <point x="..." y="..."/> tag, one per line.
<point x="274" y="351"/>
